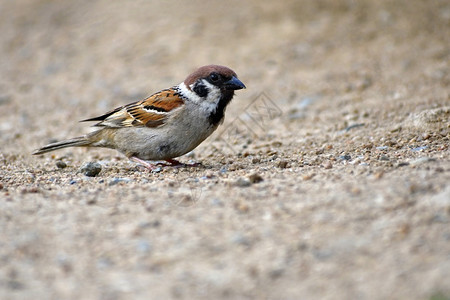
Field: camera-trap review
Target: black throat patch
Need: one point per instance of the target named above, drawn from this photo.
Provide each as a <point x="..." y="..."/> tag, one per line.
<point x="216" y="116"/>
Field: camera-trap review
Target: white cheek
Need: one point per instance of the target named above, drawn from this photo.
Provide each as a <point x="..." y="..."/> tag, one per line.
<point x="210" y="103"/>
<point x="213" y="94"/>
<point x="189" y="93"/>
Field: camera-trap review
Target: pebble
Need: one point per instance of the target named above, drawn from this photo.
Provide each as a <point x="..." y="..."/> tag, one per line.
<point x="241" y="207"/>
<point x="354" y="126"/>
<point x="255" y="178"/>
<point x="157" y="170"/>
<point x="91" y="169"/>
<point x="283" y="164"/>
<point x="242" y="182"/>
<point x="256" y="160"/>
<point x="379" y="175"/>
<point x="419" y="148"/>
<point x="308" y="176"/>
<point x="345" y="157"/>
<point x="116" y="180"/>
<point x="382" y="148"/>
<point x="60" y="164"/>
<point x="327" y="165"/>
<point x="91" y="201"/>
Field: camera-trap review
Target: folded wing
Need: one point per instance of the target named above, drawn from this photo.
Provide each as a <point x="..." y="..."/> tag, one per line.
<point x="150" y="112"/>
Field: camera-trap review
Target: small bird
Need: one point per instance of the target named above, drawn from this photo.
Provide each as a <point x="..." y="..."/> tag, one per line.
<point x="165" y="125"/>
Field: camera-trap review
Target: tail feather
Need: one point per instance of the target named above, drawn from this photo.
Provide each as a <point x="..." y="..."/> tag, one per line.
<point x="75" y="142"/>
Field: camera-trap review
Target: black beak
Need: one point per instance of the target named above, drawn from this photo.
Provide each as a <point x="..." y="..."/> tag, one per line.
<point x="233" y="84"/>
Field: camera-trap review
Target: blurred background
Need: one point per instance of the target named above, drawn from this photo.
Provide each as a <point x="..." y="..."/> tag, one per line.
<point x="348" y="168"/>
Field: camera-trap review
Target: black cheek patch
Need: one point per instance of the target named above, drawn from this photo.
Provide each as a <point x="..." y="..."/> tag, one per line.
<point x="200" y="90"/>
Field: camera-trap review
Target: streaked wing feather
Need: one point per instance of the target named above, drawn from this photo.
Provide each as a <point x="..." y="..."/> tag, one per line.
<point x="150" y="112"/>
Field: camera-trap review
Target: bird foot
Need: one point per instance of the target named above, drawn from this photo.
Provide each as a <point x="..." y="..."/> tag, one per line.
<point x="176" y="163"/>
<point x="146" y="164"/>
<point x="157" y="167"/>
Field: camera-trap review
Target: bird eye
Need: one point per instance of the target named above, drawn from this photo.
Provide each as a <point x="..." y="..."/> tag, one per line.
<point x="214" y="77"/>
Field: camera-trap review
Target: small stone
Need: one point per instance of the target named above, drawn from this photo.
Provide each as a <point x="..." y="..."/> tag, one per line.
<point x="272" y="152"/>
<point x="355" y="191"/>
<point x="426" y="136"/>
<point x="345" y="157"/>
<point x="418" y="149"/>
<point x="1" y="186"/>
<point x="115" y="181"/>
<point x="327" y="165"/>
<point x="354" y="126"/>
<point x="255" y="178"/>
<point x="242" y="182"/>
<point x="308" y="176"/>
<point x="91" y="201"/>
<point x="256" y="160"/>
<point x="208" y="175"/>
<point x="60" y="164"/>
<point x="379" y="175"/>
<point x="91" y="169"/>
<point x="283" y="164"/>
<point x="157" y="170"/>
<point x="241" y="207"/>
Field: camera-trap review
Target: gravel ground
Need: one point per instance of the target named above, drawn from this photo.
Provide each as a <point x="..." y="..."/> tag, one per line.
<point x="329" y="179"/>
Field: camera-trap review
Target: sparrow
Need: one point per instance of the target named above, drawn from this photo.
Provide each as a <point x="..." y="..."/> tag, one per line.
<point x="165" y="125"/>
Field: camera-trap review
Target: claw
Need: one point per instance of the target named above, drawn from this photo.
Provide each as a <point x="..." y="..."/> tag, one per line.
<point x="176" y="163"/>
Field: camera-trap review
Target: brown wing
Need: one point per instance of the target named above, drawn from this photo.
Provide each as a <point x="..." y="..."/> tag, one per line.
<point x="150" y="112"/>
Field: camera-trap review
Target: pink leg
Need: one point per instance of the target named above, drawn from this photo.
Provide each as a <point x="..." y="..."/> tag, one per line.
<point x="144" y="163"/>
<point x="174" y="162"/>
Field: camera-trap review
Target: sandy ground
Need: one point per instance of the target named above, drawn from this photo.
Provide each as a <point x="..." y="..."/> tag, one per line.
<point x="329" y="179"/>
